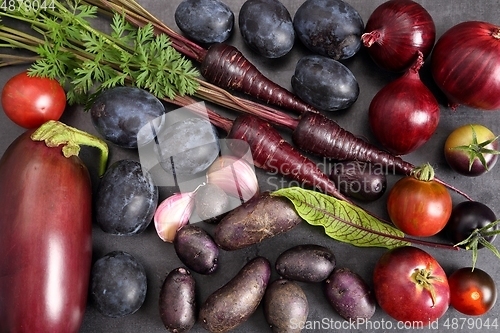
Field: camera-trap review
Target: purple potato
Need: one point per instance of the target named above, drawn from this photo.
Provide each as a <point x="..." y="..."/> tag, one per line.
<point x="196" y="249"/>
<point x="260" y="218"/>
<point x="349" y="295"/>
<point x="177" y="301"/>
<point x="285" y="306"/>
<point x="232" y="304"/>
<point x="306" y="263"/>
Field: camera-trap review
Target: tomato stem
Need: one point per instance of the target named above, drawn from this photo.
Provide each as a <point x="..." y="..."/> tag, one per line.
<point x="55" y="133"/>
<point x="477" y="237"/>
<point x="424" y="172"/>
<point x="478" y="149"/>
<point x="423" y="278"/>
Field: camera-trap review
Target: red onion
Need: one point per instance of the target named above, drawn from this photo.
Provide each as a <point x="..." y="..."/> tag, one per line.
<point x="395" y="31"/>
<point x="404" y="114"/>
<point x="466" y="65"/>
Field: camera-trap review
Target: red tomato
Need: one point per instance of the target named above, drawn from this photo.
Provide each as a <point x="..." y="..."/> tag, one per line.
<point x="473" y="292"/>
<point x="410" y="285"/>
<point x="31" y="101"/>
<point x="419" y="207"/>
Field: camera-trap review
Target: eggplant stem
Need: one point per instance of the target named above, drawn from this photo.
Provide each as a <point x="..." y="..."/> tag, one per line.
<point x="55" y="133"/>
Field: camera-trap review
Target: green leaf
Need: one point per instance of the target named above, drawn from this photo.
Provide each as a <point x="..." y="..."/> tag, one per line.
<point x="343" y="221"/>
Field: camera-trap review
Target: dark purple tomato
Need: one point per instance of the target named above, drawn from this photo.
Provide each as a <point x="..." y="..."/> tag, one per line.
<point x="472" y="291"/>
<point x="471" y="150"/>
<point x="466" y="217"/>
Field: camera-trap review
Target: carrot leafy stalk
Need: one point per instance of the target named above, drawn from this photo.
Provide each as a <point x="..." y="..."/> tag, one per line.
<point x="78" y="55"/>
<point x="346" y="222"/>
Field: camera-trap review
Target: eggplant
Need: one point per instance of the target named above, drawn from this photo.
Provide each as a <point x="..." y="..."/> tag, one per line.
<point x="46" y="224"/>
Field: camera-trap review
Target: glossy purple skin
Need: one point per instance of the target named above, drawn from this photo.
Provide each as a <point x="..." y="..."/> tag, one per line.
<point x="466" y="217"/>
<point x="45" y="238"/>
<point x="404" y="114"/>
<point x="266" y="26"/>
<point x="395" y="31"/>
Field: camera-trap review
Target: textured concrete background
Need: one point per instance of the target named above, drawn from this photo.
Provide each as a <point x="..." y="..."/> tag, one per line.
<point x="159" y="258"/>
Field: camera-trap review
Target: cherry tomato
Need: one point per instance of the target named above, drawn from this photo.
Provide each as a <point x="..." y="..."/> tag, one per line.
<point x="468" y="216"/>
<point x="410" y="285"/>
<point x="31" y="101"/>
<point x="472" y="292"/>
<point x="471" y="150"/>
<point x="419" y="206"/>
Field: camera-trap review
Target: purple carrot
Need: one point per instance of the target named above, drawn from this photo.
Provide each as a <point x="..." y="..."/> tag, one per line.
<point x="226" y="67"/>
<point x="272" y="153"/>
<point x="321" y="136"/>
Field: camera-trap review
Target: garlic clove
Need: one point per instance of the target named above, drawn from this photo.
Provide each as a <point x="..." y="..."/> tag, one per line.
<point x="235" y="176"/>
<point x="173" y="213"/>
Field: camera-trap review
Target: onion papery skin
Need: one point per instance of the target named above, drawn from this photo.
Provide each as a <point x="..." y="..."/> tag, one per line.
<point x="404" y="114"/>
<point x="465" y="65"/>
<point x="395" y="31"/>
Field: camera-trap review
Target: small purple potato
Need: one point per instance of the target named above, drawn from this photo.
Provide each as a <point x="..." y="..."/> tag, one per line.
<point x="196" y="249"/>
<point x="233" y="303"/>
<point x="359" y="180"/>
<point x="211" y="203"/>
<point x="260" y="218"/>
<point x="349" y="295"/>
<point x="177" y="301"/>
<point x="285" y="306"/>
<point x="306" y="263"/>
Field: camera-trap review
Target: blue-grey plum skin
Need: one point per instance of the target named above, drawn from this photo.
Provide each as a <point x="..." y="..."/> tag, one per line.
<point x="119" y="113"/>
<point x="205" y="21"/>
<point x="330" y="28"/>
<point x="325" y="83"/>
<point x="267" y="27"/>
<point x="126" y="199"/>
<point x="118" y="284"/>
<point x="188" y="146"/>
